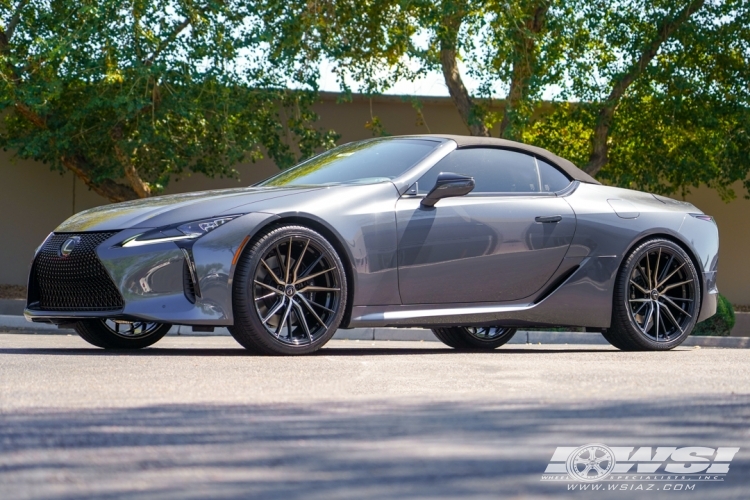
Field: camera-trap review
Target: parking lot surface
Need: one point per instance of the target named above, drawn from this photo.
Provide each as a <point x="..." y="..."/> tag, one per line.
<point x="199" y="417"/>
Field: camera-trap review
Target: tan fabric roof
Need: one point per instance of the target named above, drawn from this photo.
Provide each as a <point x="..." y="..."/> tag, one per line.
<point x="467" y="141"/>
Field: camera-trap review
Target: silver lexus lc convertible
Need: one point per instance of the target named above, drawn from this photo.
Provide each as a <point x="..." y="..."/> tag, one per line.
<point x="471" y="237"/>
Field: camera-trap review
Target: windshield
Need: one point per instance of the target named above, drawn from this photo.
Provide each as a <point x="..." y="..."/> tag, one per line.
<point x="364" y="162"/>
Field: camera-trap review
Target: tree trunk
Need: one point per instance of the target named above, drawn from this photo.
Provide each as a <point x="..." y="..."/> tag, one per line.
<point x="107" y="188"/>
<point x="665" y="29"/>
<point x="461" y="98"/>
<point x="141" y="188"/>
<point x="524" y="65"/>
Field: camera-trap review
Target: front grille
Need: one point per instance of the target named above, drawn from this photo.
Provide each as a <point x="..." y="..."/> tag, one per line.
<point x="77" y="282"/>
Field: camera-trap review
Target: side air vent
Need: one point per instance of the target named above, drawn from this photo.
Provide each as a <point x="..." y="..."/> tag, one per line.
<point x="557" y="283"/>
<point x="187" y="282"/>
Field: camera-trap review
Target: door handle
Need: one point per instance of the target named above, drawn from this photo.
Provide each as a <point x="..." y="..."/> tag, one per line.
<point x="549" y="219"/>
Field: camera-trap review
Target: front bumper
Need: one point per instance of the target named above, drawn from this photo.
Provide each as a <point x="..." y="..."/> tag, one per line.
<point x="152" y="278"/>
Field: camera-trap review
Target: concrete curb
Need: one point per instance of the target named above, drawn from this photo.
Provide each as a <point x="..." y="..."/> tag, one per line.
<point x="10" y="323"/>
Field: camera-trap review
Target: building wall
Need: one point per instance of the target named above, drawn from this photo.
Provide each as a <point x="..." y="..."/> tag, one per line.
<point x="34" y="199"/>
<point x="734" y="240"/>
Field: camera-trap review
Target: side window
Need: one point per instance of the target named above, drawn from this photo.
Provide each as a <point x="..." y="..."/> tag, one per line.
<point x="552" y="179"/>
<point x="494" y="170"/>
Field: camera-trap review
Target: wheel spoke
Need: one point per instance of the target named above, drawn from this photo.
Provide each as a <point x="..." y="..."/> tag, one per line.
<point x="307" y="304"/>
<point x="670" y="275"/>
<point x="645" y="303"/>
<point x="318" y="289"/>
<point x="647" y="320"/>
<point x="313" y="303"/>
<point x="270" y="271"/>
<point x="310" y="267"/>
<point x="301" y="317"/>
<point x="656" y="268"/>
<point x="266" y="296"/>
<point x="639" y="300"/>
<point x="299" y="261"/>
<point x="675" y="285"/>
<point x="642" y="273"/>
<point x="671" y="317"/>
<point x="284" y="318"/>
<point x="288" y="260"/>
<point x="279" y="258"/>
<point x="269" y="287"/>
<point x="639" y="287"/>
<point x="274" y="310"/>
<point x="315" y="275"/>
<point x="669" y="301"/>
<point x="648" y="271"/>
<point x="665" y="271"/>
<point x="656" y="323"/>
<point x="289" y="333"/>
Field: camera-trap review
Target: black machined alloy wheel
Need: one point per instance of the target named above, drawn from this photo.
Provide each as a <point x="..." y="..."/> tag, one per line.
<point x="657" y="298"/>
<point x="469" y="337"/>
<point x="121" y="334"/>
<point x="289" y="292"/>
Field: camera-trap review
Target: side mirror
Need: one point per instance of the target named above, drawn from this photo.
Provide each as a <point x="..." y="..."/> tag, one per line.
<point x="448" y="184"/>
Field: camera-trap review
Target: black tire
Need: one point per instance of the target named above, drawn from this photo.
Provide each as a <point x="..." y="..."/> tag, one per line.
<point x="656" y="300"/>
<point x="470" y="338"/>
<point x="272" y="319"/>
<point x="110" y="335"/>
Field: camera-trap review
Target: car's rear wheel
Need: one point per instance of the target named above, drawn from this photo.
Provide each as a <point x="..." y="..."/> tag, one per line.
<point x="289" y="292"/>
<point x="120" y="334"/>
<point x="656" y="300"/>
<point x="469" y="337"/>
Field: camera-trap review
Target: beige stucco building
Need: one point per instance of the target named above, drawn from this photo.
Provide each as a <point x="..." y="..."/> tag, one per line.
<point x="33" y="200"/>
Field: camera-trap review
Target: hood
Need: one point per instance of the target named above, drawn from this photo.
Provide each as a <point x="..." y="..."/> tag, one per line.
<point x="164" y="210"/>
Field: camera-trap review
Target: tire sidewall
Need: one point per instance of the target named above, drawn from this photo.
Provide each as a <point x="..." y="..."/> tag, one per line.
<point x="476" y="343"/>
<point x="248" y="328"/>
<point x="643" y="341"/>
<point x="458" y="337"/>
<point x="96" y="333"/>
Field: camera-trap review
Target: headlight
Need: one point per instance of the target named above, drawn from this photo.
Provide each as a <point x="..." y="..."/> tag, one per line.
<point x="186" y="231"/>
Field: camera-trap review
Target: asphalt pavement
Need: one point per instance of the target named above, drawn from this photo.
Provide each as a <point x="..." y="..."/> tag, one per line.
<point x="199" y="417"/>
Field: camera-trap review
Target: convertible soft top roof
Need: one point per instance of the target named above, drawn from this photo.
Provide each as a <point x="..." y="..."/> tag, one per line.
<point x="466" y="141"/>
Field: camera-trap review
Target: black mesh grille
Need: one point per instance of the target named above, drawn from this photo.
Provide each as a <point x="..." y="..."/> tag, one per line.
<point x="77" y="282"/>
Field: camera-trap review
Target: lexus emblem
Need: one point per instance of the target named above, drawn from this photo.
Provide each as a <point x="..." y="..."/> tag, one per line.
<point x="69" y="245"/>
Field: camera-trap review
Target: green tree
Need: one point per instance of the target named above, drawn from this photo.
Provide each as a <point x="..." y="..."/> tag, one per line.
<point x="128" y="94"/>
<point x="650" y="94"/>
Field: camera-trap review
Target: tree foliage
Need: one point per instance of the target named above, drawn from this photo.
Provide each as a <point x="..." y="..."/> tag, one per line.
<point x="128" y="94"/>
<point x="650" y="94"/>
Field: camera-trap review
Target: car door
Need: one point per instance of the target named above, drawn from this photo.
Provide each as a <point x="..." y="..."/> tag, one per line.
<point x="501" y="242"/>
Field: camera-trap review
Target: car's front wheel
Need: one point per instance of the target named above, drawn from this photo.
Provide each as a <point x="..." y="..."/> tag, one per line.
<point x="289" y="292"/>
<point x="120" y="334"/>
<point x="469" y="337"/>
<point x="656" y="300"/>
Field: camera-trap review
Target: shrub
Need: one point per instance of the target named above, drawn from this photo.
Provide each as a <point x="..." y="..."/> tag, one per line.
<point x="721" y="323"/>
